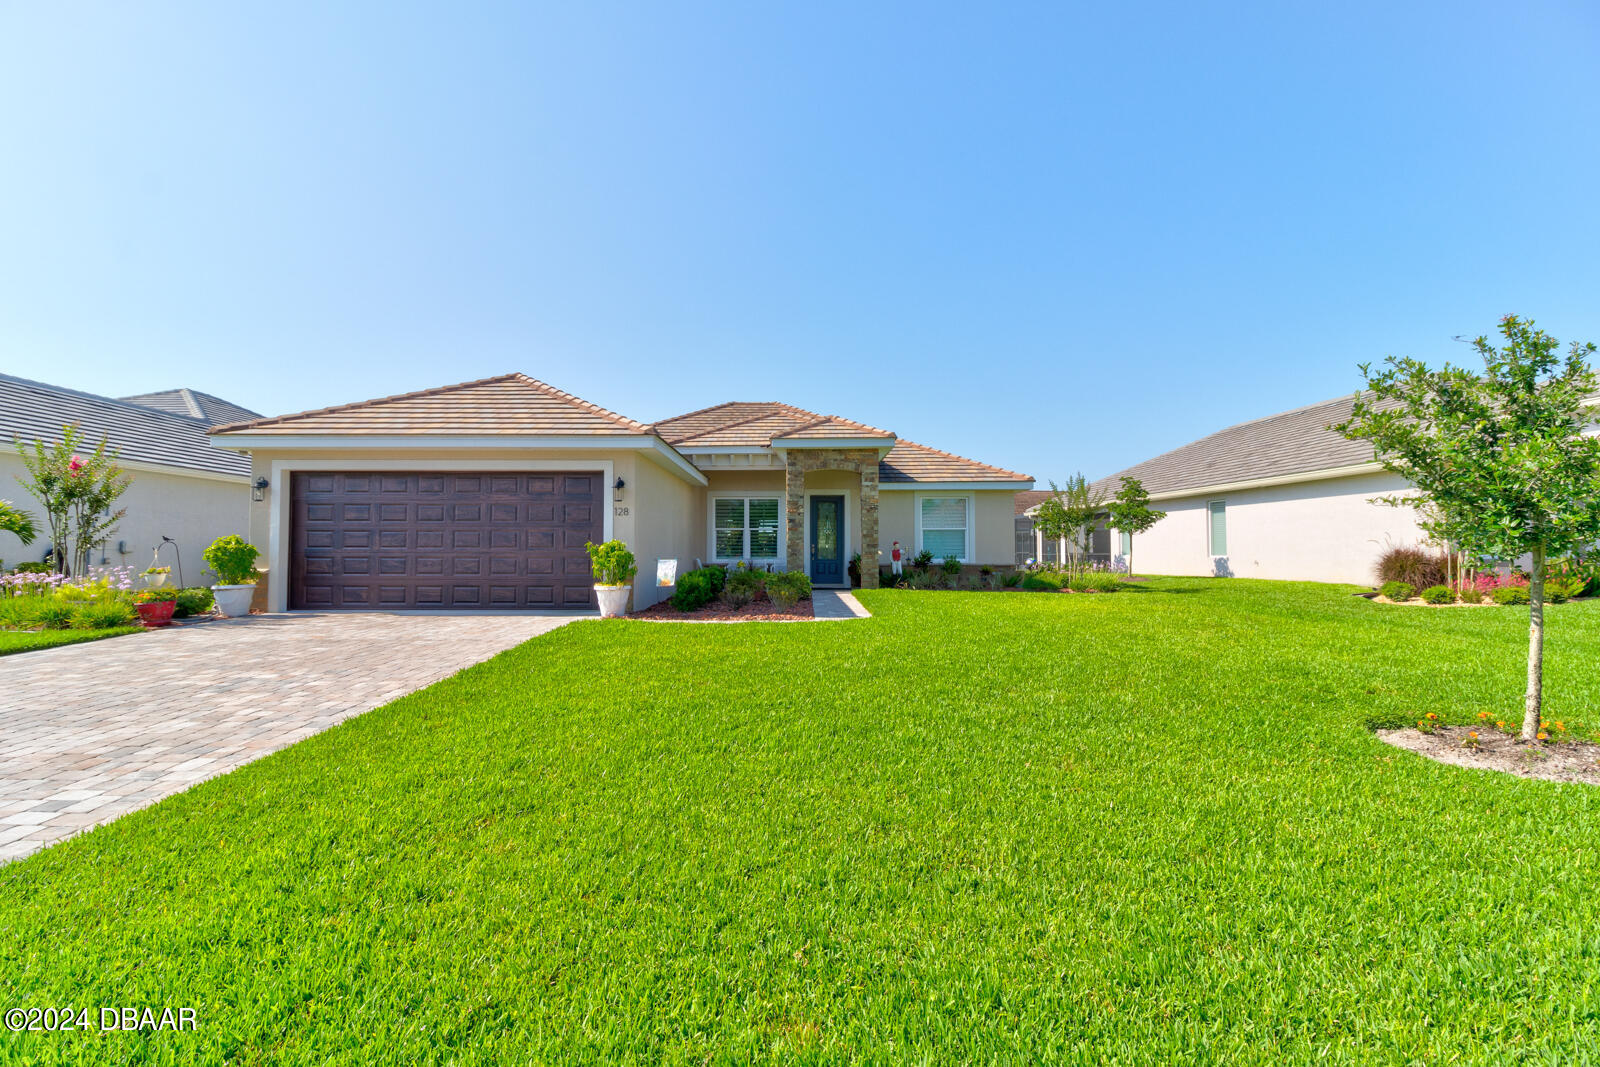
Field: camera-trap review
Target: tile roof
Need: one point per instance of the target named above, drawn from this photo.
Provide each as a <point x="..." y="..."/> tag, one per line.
<point x="908" y="461"/>
<point x="1028" y="498"/>
<point x="754" y="424"/>
<point x="1293" y="442"/>
<point x="507" y="404"/>
<point x="195" y="405"/>
<point x="33" y="410"/>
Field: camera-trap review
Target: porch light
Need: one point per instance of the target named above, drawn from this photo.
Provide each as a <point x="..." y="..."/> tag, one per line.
<point x="617" y="490"/>
<point x="258" y="489"/>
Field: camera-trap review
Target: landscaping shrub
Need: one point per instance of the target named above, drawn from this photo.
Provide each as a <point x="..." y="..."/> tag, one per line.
<point x="1096" y="582"/>
<point x="854" y="570"/>
<point x="743" y="586"/>
<point x="1560" y="590"/>
<point x="1042" y="581"/>
<point x="53" y="613"/>
<point x="1012" y="579"/>
<point x="1438" y="594"/>
<point x="697" y="588"/>
<point x="951" y="566"/>
<point x="1510" y="594"/>
<point x="196" y="600"/>
<point x="924" y="580"/>
<point x="1417" y="567"/>
<point x="888" y="579"/>
<point x="922" y="560"/>
<point x="20" y="612"/>
<point x="232" y="559"/>
<point x="103" y="615"/>
<point x="1469" y="594"/>
<point x="1398" y="590"/>
<point x="787" y="588"/>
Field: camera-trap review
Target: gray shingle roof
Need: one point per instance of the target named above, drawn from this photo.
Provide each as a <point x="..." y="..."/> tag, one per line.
<point x="30" y="410"/>
<point x="211" y="410"/>
<point x="1293" y="442"/>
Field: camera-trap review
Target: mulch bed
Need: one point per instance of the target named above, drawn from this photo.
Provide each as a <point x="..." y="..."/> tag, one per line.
<point x="716" y="611"/>
<point x="1564" y="761"/>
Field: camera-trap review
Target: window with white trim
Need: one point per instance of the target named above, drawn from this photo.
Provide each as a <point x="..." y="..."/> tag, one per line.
<point x="1217" y="527"/>
<point x="943" y="523"/>
<point x="745" y="527"/>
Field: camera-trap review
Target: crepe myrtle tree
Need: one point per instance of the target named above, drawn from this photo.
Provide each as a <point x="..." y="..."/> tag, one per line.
<point x="1130" y="513"/>
<point x="1500" y="457"/>
<point x="77" y="490"/>
<point x="1066" y="515"/>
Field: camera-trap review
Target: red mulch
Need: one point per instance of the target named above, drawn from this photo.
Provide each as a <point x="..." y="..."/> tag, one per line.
<point x="717" y="611"/>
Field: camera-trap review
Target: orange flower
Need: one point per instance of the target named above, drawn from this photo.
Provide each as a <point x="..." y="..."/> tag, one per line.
<point x="1543" y="736"/>
<point x="1483" y="714"/>
<point x="1432" y="716"/>
<point x="1473" y="735"/>
<point x="1501" y="723"/>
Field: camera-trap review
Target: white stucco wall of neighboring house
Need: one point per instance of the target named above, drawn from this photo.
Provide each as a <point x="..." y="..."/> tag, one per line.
<point x="1326" y="531"/>
<point x="194" y="508"/>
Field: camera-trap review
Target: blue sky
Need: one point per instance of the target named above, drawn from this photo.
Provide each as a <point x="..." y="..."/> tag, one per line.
<point x="1051" y="237"/>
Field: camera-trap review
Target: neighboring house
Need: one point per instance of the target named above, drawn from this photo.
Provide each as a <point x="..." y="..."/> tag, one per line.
<point x="483" y="494"/>
<point x="1279" y="497"/>
<point x="183" y="488"/>
<point x="1029" y="545"/>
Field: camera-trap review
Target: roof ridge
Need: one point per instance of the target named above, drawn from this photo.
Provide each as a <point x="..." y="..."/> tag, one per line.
<point x="430" y="391"/>
<point x="702" y="411"/>
<point x="596" y="408"/>
<point x="964" y="459"/>
<point x="140" y="408"/>
<point x="737" y="422"/>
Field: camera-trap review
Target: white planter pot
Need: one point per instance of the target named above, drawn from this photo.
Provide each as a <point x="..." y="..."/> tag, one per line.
<point x="155" y="581"/>
<point x="613" y="600"/>
<point x="233" y="600"/>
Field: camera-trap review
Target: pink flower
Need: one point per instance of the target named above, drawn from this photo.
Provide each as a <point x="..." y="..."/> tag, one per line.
<point x="74" y="466"/>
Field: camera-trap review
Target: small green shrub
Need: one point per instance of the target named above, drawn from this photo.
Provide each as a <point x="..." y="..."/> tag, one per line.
<point x="1470" y="594"/>
<point x="925" y="580"/>
<point x="1438" y="594"/>
<point x="742" y="587"/>
<point x="1560" y="590"/>
<point x="196" y="600"/>
<point x="1096" y="582"/>
<point x="922" y="560"/>
<point x="1397" y="590"/>
<point x="788" y="588"/>
<point x="1041" y="582"/>
<point x="1510" y="594"/>
<point x="611" y="562"/>
<point x="53" y="613"/>
<point x="35" y="567"/>
<point x="951" y="566"/>
<point x="233" y="559"/>
<point x="20" y="612"/>
<point x="888" y="579"/>
<point x="103" y="615"/>
<point x="1011" y="579"/>
<point x="697" y="588"/>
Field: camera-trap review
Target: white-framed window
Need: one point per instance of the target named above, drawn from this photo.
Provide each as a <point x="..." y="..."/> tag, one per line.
<point x="746" y="527"/>
<point x="1127" y="543"/>
<point x="1217" y="527"/>
<point x="944" y="526"/>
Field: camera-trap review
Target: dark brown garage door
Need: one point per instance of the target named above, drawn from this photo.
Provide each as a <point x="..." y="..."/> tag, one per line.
<point x="423" y="540"/>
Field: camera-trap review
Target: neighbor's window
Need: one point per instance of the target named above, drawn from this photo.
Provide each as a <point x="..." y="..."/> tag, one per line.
<point x="944" y="526"/>
<point x="1218" y="530"/>
<point x="1127" y="543"/>
<point x="746" y="527"/>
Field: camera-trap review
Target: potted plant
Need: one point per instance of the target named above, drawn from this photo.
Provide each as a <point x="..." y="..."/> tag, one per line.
<point x="156" y="577"/>
<point x="234" y="561"/>
<point x="155" y="606"/>
<point x="614" y="569"/>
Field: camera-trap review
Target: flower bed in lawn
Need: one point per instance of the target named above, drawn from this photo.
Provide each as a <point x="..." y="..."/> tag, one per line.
<point x="1496" y="750"/>
<point x="717" y="611"/>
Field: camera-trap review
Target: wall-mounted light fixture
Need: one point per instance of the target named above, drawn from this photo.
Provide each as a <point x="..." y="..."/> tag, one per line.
<point x="258" y="489"/>
<point x="617" y="490"/>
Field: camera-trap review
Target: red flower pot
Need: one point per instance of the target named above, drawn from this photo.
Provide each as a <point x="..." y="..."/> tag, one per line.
<point x="156" y="613"/>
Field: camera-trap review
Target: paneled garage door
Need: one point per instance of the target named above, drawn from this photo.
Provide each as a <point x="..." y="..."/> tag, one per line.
<point x="388" y="540"/>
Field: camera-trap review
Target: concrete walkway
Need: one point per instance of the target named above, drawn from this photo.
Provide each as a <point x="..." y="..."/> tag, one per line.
<point x="93" y="731"/>
<point x="836" y="604"/>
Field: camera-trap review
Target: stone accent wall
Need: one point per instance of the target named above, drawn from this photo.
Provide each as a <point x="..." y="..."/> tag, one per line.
<point x="864" y="461"/>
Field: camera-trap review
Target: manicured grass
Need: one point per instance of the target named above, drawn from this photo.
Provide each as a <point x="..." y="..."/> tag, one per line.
<point x="14" y="641"/>
<point x="1150" y="827"/>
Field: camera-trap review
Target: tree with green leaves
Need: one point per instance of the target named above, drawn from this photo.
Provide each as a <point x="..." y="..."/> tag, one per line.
<point x="1130" y="513"/>
<point x="1066" y="516"/>
<point x="1499" y="457"/>
<point x="77" y="492"/>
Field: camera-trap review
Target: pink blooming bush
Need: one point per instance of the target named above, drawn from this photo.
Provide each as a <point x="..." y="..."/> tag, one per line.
<point x="1488" y="583"/>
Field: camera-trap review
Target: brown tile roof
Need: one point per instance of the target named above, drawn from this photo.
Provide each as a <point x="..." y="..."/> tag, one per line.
<point x="1028" y="498"/>
<point x="754" y="424"/>
<point x="507" y="404"/>
<point x="1293" y="442"/>
<point x="908" y="461"/>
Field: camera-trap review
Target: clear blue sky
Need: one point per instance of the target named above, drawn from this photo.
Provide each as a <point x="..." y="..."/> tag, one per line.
<point x="1049" y="237"/>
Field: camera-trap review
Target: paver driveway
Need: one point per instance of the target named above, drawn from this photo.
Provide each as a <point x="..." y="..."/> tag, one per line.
<point x="93" y="731"/>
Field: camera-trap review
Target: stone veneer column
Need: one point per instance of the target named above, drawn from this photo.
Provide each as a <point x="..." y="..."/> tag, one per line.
<point x="869" y="523"/>
<point x="794" y="489"/>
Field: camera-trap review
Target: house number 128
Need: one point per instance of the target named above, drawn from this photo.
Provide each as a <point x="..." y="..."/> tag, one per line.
<point x="621" y="511"/>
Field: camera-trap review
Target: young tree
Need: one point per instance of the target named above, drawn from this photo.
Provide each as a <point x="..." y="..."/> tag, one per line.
<point x="1066" y="515"/>
<point x="1500" y="457"/>
<point x="77" y="493"/>
<point x="1131" y="513"/>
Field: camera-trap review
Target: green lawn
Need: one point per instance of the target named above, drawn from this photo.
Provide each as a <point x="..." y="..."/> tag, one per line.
<point x="14" y="641"/>
<point x="1144" y="828"/>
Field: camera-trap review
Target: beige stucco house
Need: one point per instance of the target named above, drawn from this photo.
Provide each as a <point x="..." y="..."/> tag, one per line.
<point x="483" y="494"/>
<point x="1279" y="497"/>
<point x="184" y="495"/>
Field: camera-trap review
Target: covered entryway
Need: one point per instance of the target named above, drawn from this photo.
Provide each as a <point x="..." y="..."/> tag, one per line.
<point x="438" y="540"/>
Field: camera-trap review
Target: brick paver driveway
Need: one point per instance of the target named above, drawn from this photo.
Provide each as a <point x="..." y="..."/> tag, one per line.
<point x="93" y="731"/>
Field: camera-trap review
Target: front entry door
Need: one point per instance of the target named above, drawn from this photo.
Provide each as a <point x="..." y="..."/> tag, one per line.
<point x="827" y="540"/>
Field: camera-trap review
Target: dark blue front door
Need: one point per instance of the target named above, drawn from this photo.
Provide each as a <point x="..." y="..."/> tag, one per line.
<point x="827" y="540"/>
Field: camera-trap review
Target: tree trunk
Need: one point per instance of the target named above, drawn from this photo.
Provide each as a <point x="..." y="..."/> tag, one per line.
<point x="1530" y="710"/>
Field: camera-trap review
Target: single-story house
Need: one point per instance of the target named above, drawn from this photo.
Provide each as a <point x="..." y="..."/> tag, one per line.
<point x="183" y="488"/>
<point x="1280" y="497"/>
<point x="483" y="494"/>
